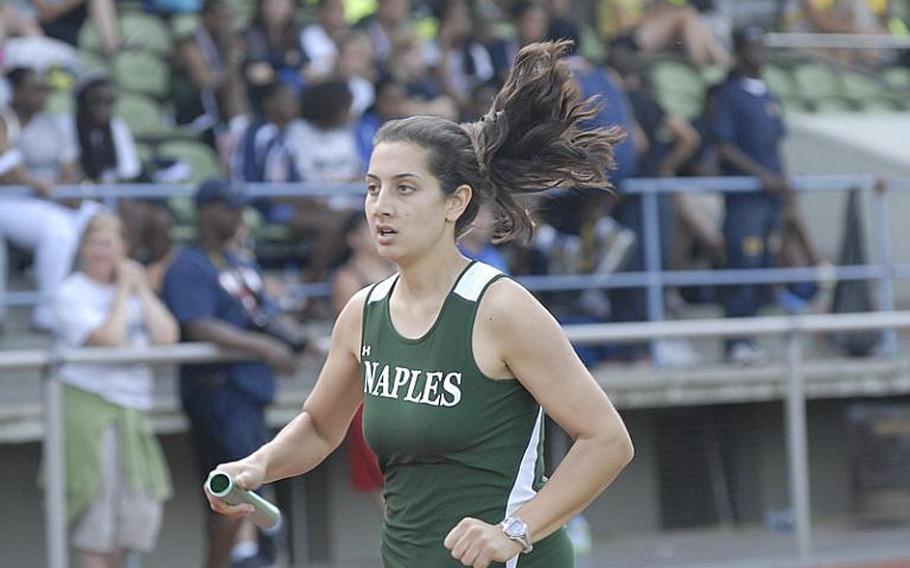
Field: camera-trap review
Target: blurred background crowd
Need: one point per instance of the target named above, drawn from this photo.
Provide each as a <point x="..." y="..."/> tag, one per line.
<point x="164" y="91"/>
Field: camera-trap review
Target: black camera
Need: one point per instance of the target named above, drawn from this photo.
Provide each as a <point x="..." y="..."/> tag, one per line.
<point x="277" y="328"/>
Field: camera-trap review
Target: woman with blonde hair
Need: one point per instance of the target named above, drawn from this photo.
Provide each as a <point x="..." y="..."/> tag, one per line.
<point x="116" y="475"/>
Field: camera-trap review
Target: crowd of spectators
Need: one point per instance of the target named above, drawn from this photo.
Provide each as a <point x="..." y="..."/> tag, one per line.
<point x="289" y="93"/>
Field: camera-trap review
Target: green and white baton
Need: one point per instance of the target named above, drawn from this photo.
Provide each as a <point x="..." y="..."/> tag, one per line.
<point x="221" y="485"/>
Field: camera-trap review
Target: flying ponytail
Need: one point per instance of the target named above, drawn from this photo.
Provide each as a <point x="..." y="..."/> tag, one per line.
<point x="530" y="141"/>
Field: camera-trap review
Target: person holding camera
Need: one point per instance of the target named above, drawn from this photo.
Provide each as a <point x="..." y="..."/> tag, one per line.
<point x="216" y="293"/>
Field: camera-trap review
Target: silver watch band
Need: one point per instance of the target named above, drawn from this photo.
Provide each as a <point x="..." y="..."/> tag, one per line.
<point x="521" y="538"/>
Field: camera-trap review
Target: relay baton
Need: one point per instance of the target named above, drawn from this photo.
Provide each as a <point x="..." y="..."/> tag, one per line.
<point x="222" y="486"/>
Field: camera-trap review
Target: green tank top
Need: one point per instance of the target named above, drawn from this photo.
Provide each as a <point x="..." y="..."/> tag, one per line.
<point x="451" y="442"/>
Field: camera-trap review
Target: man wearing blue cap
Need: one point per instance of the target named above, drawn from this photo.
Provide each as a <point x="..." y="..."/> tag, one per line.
<point x="217" y="296"/>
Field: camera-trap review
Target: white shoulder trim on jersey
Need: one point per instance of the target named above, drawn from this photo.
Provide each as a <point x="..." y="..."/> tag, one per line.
<point x="381" y="290"/>
<point x="475" y="280"/>
<point x="523" y="489"/>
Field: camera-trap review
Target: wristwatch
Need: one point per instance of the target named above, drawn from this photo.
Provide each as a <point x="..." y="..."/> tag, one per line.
<point x="517" y="530"/>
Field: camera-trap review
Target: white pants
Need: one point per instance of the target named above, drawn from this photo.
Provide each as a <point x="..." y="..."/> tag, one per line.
<point x="51" y="231"/>
<point x="119" y="517"/>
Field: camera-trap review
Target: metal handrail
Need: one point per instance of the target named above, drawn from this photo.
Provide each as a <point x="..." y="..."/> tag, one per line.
<point x="639" y="185"/>
<point x="836" y="40"/>
<point x="580" y="334"/>
<point x="645" y="187"/>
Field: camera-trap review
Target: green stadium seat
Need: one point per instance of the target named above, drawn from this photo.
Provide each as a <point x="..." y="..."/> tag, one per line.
<point x="184" y="209"/>
<point x="681" y="104"/>
<point x="793" y="104"/>
<point x="898" y="77"/>
<point x="185" y="233"/>
<point x="815" y="82"/>
<point x="878" y="104"/>
<point x="832" y="104"/>
<point x="713" y="75"/>
<point x="146" y="32"/>
<point x="676" y="77"/>
<point x="142" y="72"/>
<point x="146" y="152"/>
<point x="142" y="114"/>
<point x="780" y="81"/>
<point x="590" y="45"/>
<point x="200" y="157"/>
<point x="183" y="25"/>
<point x="88" y="37"/>
<point x="858" y="87"/>
<point x="90" y="62"/>
<point x="243" y="11"/>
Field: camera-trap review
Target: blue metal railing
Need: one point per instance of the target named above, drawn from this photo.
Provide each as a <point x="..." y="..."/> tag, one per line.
<point x="652" y="278"/>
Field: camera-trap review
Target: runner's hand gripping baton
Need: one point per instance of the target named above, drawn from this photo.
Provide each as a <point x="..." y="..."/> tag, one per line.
<point x="222" y="486"/>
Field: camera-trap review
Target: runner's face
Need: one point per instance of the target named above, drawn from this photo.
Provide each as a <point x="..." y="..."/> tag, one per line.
<point x="405" y="205"/>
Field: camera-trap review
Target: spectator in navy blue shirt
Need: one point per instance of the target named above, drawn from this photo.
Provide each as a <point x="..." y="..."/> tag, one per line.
<point x="748" y="128"/>
<point x="216" y="295"/>
<point x="614" y="110"/>
<point x="264" y="153"/>
<point x="391" y="99"/>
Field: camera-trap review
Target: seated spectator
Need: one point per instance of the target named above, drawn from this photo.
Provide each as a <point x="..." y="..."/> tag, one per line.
<point x="840" y="16"/>
<point x="46" y="151"/>
<point x="408" y="66"/>
<point x="561" y="23"/>
<point x="266" y="153"/>
<point x="107" y="154"/>
<point x="273" y="49"/>
<point x="391" y="101"/>
<point x="35" y="152"/>
<point x="581" y="216"/>
<point x="671" y="140"/>
<point x="23" y="43"/>
<point x="320" y="39"/>
<point x="207" y="83"/>
<point x="323" y="141"/>
<point x="698" y="241"/>
<point x="658" y="25"/>
<point x="355" y="63"/>
<point x="531" y="24"/>
<point x="104" y="144"/>
<point x="17" y="20"/>
<point x="362" y="267"/>
<point x="391" y="18"/>
<point x="217" y="296"/>
<point x="836" y="16"/>
<point x="797" y="250"/>
<point x="62" y="20"/>
<point x="116" y="474"/>
<point x="325" y="148"/>
<point x="263" y="154"/>
<point x="459" y="60"/>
